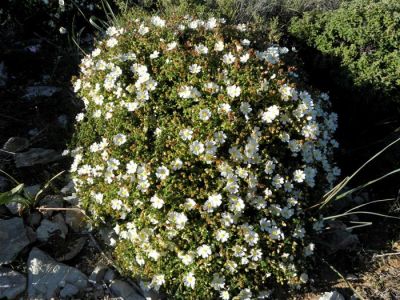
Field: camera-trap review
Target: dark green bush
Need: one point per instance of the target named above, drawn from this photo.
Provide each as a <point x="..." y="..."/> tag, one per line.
<point x="363" y="36"/>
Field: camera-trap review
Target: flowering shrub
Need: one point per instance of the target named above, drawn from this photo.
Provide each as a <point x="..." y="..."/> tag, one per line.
<point x="202" y="152"/>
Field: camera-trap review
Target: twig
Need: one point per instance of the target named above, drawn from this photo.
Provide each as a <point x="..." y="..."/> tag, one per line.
<point x="345" y="280"/>
<point x="61" y="209"/>
<point x="8" y="152"/>
<point x="386" y="254"/>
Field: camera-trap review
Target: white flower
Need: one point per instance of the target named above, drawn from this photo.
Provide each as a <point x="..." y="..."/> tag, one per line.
<point x="245" y="42"/>
<point x="224" y="107"/>
<point x="299" y="176"/>
<point x="119" y="139"/>
<point x="171" y="46"/>
<point x="245" y="108"/>
<point x="204" y="251"/>
<point x="205" y="114"/>
<point x="219" y="46"/>
<point x="244" y="58"/>
<point x="116" y="204"/>
<point x="143" y="29"/>
<point x="228" y="58"/>
<point x="112" y="42"/>
<point x="123" y="192"/>
<point x="156" y="202"/>
<point x="271" y="113"/>
<point x="197" y="147"/>
<point x="194" y="69"/>
<point x="233" y="91"/>
<point x="201" y="49"/>
<point x="189" y="204"/>
<point x="157" y="282"/>
<point x="222" y="236"/>
<point x="79" y="117"/>
<point x="187" y="92"/>
<point x="162" y="172"/>
<point x="157" y="21"/>
<point x="218" y="282"/>
<point x="131" y="167"/>
<point x="187" y="259"/>
<point x="154" y="55"/>
<point x="189" y="280"/>
<point x="186" y="134"/>
<point x="176" y="164"/>
<point x="224" y="295"/>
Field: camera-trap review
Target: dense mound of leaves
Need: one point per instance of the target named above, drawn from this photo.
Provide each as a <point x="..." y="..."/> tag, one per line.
<point x="364" y="35"/>
<point x="201" y="151"/>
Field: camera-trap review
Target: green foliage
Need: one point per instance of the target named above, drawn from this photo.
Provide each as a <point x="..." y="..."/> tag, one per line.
<point x="201" y="147"/>
<point x="364" y="36"/>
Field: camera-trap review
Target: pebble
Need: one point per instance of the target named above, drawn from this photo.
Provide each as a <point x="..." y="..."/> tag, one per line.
<point x="13" y="239"/>
<point x="12" y="283"/>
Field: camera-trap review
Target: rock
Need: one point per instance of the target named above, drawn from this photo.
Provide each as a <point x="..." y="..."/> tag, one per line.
<point x="13" y="239"/>
<point x="62" y="120"/>
<point x="3" y="75"/>
<point x="69" y="188"/>
<point x="40" y="91"/>
<point x="31" y="234"/>
<point x="124" y="290"/>
<point x="14" y="207"/>
<point x="97" y="275"/>
<point x="12" y="283"/>
<point x="69" y="291"/>
<point x="75" y="219"/>
<point x="59" y="219"/>
<point x="50" y="201"/>
<point x="32" y="190"/>
<point x="16" y="144"/>
<point x="73" y="199"/>
<point x="48" y="228"/>
<point x="74" y="247"/>
<point x="34" y="219"/>
<point x="331" y="296"/>
<point x="36" y="156"/>
<point x="109" y="276"/>
<point x="4" y="184"/>
<point x="46" y="276"/>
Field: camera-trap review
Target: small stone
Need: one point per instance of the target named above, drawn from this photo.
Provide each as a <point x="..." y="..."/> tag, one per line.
<point x="69" y="188"/>
<point x="69" y="291"/>
<point x="16" y="144"/>
<point x="75" y="219"/>
<point x="74" y="247"/>
<point x="34" y="219"/>
<point x="59" y="219"/>
<point x="40" y="91"/>
<point x="4" y="184"/>
<point x="31" y="234"/>
<point x="124" y="290"/>
<point x="331" y="296"/>
<point x="3" y="75"/>
<point x="45" y="276"/>
<point x="73" y="199"/>
<point x="13" y="239"/>
<point x="50" y="201"/>
<point x="98" y="274"/>
<point x="12" y="283"/>
<point x="32" y="190"/>
<point x="109" y="276"/>
<point x="62" y="120"/>
<point x="36" y="156"/>
<point x="47" y="229"/>
<point x="14" y="207"/>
